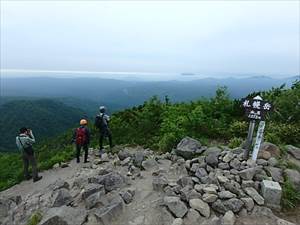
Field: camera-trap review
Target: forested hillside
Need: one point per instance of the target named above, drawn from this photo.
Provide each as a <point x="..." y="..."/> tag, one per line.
<point x="45" y="117"/>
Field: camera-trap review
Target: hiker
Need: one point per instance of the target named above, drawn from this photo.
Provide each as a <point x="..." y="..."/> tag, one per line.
<point x="81" y="137"/>
<point x="24" y="142"/>
<point x="102" y="123"/>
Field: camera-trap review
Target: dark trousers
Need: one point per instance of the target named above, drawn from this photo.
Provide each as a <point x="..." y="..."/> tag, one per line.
<point x="102" y="136"/>
<point x="26" y="160"/>
<point x="78" y="149"/>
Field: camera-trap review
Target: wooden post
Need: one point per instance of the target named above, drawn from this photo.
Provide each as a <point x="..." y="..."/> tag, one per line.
<point x="248" y="143"/>
<point x="259" y="136"/>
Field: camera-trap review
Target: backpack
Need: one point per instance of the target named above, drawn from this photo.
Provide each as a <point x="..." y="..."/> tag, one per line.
<point x="99" y="123"/>
<point x="80" y="136"/>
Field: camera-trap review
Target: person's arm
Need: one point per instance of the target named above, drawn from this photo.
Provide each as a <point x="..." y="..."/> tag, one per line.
<point x="19" y="146"/>
<point x="88" y="135"/>
<point x="74" y="136"/>
<point x="30" y="139"/>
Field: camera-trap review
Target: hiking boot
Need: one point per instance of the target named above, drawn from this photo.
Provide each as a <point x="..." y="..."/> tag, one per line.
<point x="28" y="177"/>
<point x="37" y="179"/>
<point x="86" y="161"/>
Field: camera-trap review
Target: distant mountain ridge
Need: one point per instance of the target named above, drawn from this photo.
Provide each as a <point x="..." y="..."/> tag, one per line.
<point x="129" y="93"/>
<point x="47" y="118"/>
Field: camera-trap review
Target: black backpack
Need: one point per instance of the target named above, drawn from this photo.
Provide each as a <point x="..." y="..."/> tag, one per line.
<point x="99" y="121"/>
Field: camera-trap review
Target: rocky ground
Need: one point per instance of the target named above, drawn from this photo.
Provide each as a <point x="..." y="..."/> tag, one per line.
<point x="192" y="185"/>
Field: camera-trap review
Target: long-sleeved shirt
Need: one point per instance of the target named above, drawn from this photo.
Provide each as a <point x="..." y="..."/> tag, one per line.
<point x="87" y="132"/>
<point x="26" y="141"/>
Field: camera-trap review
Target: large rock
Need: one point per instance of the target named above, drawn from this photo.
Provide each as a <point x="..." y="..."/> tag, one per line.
<point x="192" y="217"/>
<point x="94" y="200"/>
<point x="110" y="212"/>
<point x="111" y="181"/>
<point x="188" y="148"/>
<point x="271" y="191"/>
<point x="64" y="216"/>
<point x="125" y="153"/>
<point x="61" y="197"/>
<point x="275" y="173"/>
<point x="150" y="165"/>
<point x="90" y="189"/>
<point x="294" y="177"/>
<point x="159" y="183"/>
<point x="139" y="157"/>
<point x="271" y="148"/>
<point x="212" y="157"/>
<point x="200" y="206"/>
<point x="254" y="195"/>
<point x="294" y="151"/>
<point x="233" y="204"/>
<point x="176" y="206"/>
<point x="228" y="218"/>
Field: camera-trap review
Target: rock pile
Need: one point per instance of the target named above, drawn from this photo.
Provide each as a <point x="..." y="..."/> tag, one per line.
<point x="191" y="185"/>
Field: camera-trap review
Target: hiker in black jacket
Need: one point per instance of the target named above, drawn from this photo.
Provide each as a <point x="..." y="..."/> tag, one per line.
<point x="102" y="123"/>
<point x="81" y="137"/>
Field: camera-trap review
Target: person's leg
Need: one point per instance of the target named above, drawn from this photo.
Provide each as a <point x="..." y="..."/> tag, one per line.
<point x="110" y="140"/>
<point x="34" y="167"/>
<point x="86" y="151"/>
<point x="25" y="165"/>
<point x="101" y="141"/>
<point x="78" y="147"/>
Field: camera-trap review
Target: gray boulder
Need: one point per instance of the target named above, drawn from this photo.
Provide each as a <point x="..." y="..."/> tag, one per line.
<point x="254" y="195"/>
<point x="150" y="165"/>
<point x="247" y="174"/>
<point x="201" y="206"/>
<point x="159" y="183"/>
<point x="126" y="196"/>
<point x="294" y="177"/>
<point x="188" y="148"/>
<point x="111" y="181"/>
<point x="61" y="197"/>
<point x="275" y="173"/>
<point x="90" y="189"/>
<point x="176" y="206"/>
<point x="212" y="157"/>
<point x="228" y="218"/>
<point x="123" y="154"/>
<point x="233" y="204"/>
<point x="110" y="212"/>
<point x="226" y="195"/>
<point x="219" y="207"/>
<point x="139" y="157"/>
<point x="271" y="148"/>
<point x="294" y="151"/>
<point x="201" y="172"/>
<point x="249" y="203"/>
<point x="64" y="216"/>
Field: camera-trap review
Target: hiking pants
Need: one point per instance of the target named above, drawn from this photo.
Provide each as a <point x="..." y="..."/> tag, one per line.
<point x="26" y="160"/>
<point x="78" y="149"/>
<point x="102" y="136"/>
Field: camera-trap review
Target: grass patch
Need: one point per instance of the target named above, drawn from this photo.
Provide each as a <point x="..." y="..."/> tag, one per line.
<point x="35" y="218"/>
<point x="290" y="196"/>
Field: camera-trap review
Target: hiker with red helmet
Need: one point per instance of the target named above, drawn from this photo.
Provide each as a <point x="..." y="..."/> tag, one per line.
<point x="81" y="137"/>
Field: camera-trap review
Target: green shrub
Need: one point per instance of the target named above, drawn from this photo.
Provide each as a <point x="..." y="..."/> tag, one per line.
<point x="235" y="142"/>
<point x="290" y="196"/>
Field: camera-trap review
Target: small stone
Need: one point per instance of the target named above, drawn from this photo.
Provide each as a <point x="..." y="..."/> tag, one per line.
<point x="224" y="166"/>
<point x="192" y="217"/>
<point x="234" y="204"/>
<point x="209" y="198"/>
<point x="177" y="221"/>
<point x="222" y="179"/>
<point x="226" y="195"/>
<point x="200" y="206"/>
<point x="247" y="174"/>
<point x="228" y="157"/>
<point x="264" y="155"/>
<point x="249" y="203"/>
<point x="61" y="197"/>
<point x="254" y="195"/>
<point x="201" y="172"/>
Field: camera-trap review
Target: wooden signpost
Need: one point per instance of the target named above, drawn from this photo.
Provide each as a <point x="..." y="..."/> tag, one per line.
<point x="255" y="110"/>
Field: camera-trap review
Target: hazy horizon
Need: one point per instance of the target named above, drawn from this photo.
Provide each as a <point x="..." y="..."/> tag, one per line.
<point x="150" y="40"/>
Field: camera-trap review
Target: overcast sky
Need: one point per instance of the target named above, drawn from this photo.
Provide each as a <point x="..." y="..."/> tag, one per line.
<point x="214" y="38"/>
